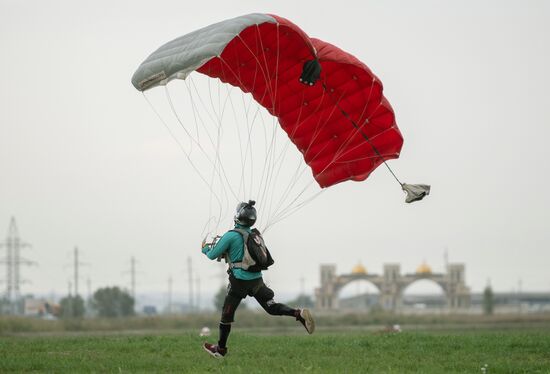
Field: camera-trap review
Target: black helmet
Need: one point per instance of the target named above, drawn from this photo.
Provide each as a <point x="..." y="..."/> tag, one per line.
<point x="245" y="213"/>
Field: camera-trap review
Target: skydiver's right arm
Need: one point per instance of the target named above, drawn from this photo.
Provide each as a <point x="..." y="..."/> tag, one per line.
<point x="221" y="247"/>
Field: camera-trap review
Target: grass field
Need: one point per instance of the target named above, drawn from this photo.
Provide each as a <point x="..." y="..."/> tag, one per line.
<point x="507" y="351"/>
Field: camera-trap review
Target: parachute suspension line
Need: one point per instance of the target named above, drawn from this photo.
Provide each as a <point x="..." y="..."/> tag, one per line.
<point x="242" y="184"/>
<point x="275" y="202"/>
<point x="367" y="101"/>
<point x="221" y="172"/>
<point x="247" y="108"/>
<point x="274" y="98"/>
<point x="217" y="163"/>
<point x="318" y="127"/>
<point x="269" y="187"/>
<point x="268" y="82"/>
<point x="174" y="111"/>
<point x="247" y="156"/>
<point x="217" y="171"/>
<point x="184" y="151"/>
<point x="269" y="91"/>
<point x="197" y="118"/>
<point x="264" y="187"/>
<point x="197" y="115"/>
<point x="301" y="167"/>
<point x="292" y="210"/>
<point x="247" y="153"/>
<point x="267" y="193"/>
<point x="340" y="151"/>
<point x="248" y="149"/>
<point x="342" y="146"/>
<point x="277" y="160"/>
<point x="238" y="131"/>
<point x="345" y="114"/>
<point x="264" y="181"/>
<point x="203" y="105"/>
<point x="289" y="209"/>
<point x="220" y="115"/>
<point x="274" y="161"/>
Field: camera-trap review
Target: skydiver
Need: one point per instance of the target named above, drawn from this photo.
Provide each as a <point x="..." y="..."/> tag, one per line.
<point x="243" y="283"/>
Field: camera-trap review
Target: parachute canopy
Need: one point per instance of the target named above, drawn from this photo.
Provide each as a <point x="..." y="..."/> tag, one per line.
<point x="337" y="118"/>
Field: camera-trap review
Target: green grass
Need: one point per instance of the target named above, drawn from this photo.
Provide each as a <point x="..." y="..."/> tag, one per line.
<point x="351" y="352"/>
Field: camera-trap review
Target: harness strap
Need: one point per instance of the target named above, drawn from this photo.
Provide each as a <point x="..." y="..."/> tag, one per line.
<point x="238" y="265"/>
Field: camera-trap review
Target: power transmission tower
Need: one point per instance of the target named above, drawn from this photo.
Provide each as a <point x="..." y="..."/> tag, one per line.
<point x="69" y="299"/>
<point x="76" y="266"/>
<point x="169" y="307"/>
<point x="133" y="276"/>
<point x="89" y="287"/>
<point x="88" y="295"/>
<point x="198" y="295"/>
<point x="133" y="271"/>
<point x="13" y="261"/>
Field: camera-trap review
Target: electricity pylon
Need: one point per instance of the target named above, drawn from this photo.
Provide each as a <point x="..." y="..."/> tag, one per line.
<point x="13" y="261"/>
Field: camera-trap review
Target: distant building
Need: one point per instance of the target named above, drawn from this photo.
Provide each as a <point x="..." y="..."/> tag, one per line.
<point x="40" y="308"/>
<point x="391" y="285"/>
<point x="149" y="310"/>
<point x="390" y="295"/>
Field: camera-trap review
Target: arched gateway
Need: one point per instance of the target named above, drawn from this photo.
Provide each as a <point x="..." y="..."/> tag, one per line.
<point x="391" y="285"/>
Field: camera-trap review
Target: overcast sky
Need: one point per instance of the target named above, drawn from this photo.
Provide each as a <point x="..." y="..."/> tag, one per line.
<point x="85" y="162"/>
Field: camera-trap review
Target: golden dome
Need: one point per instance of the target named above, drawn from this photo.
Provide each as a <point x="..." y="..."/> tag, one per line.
<point x="359" y="269"/>
<point x="424" y="269"/>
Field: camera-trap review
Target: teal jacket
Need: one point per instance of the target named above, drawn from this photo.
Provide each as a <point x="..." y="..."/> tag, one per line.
<point x="232" y="243"/>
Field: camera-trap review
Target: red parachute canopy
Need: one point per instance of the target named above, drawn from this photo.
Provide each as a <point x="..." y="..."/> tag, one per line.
<point x="343" y="125"/>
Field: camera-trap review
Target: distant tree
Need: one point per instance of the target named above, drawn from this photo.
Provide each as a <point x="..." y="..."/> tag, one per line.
<point x="220" y="297"/>
<point x="113" y="302"/>
<point x="5" y="306"/>
<point x="488" y="300"/>
<point x="302" y="300"/>
<point x="72" y="307"/>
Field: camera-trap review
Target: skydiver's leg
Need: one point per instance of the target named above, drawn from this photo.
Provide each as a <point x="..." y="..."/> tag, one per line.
<point x="234" y="296"/>
<point x="230" y="305"/>
<point x="265" y="296"/>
